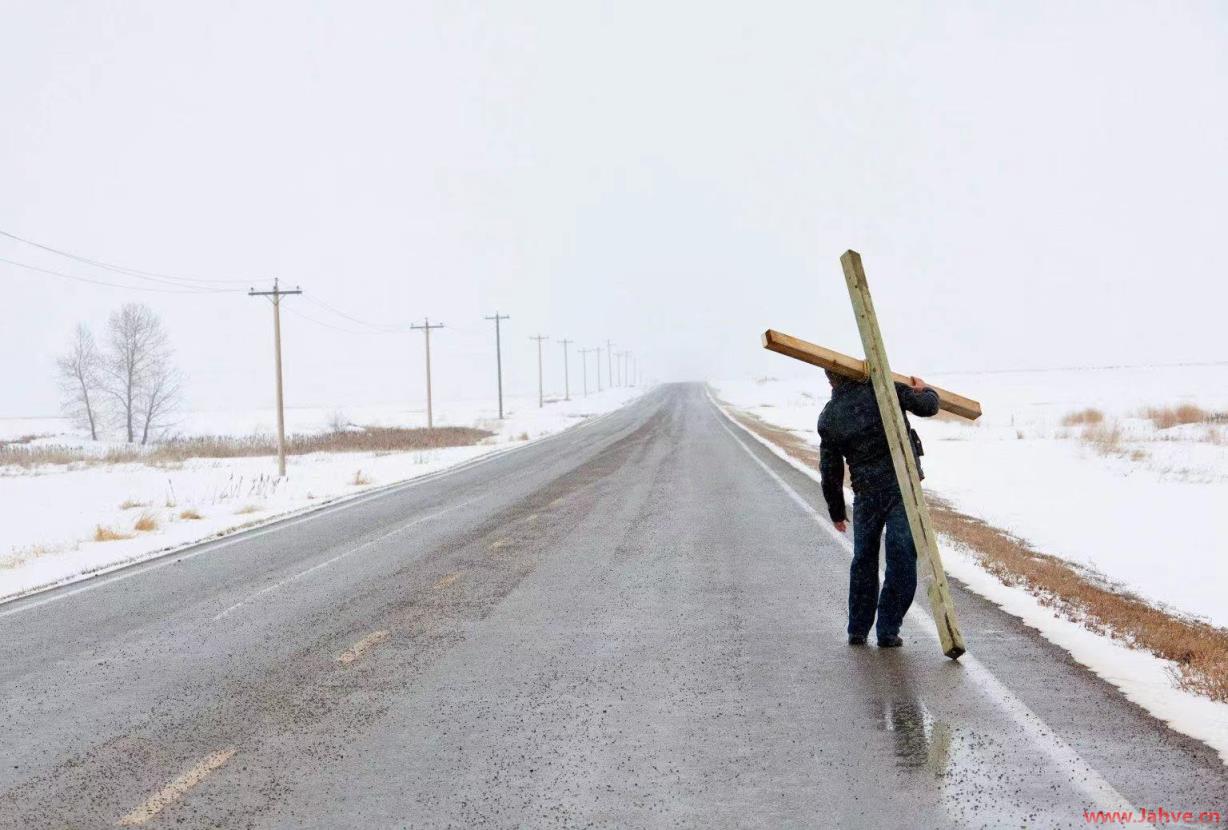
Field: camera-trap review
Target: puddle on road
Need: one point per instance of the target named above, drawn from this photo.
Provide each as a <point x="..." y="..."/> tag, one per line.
<point x="980" y="781"/>
<point x="920" y="741"/>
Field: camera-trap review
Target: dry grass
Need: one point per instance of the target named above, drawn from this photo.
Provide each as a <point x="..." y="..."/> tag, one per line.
<point x="13" y="455"/>
<point x="106" y="534"/>
<point x="178" y="450"/>
<point x="1106" y="439"/>
<point x="1165" y="417"/>
<point x="190" y="515"/>
<point x="1199" y="649"/>
<point x="130" y="504"/>
<point x="1083" y="417"/>
<point x="145" y="523"/>
<point x="247" y="508"/>
<point x="360" y="479"/>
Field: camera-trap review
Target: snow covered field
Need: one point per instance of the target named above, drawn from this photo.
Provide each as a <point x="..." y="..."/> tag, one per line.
<point x="53" y="513"/>
<point x="1138" y="504"/>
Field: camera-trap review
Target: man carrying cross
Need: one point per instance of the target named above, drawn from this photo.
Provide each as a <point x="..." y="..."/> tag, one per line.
<point x="851" y="428"/>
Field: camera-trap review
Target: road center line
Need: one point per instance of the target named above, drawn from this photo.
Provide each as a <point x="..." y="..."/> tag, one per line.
<point x="175" y="790"/>
<point x="445" y="581"/>
<point x="368" y="642"/>
<point x="1081" y="775"/>
<point x="319" y="565"/>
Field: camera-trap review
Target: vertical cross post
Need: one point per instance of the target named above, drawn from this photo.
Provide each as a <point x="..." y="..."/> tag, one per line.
<point x="902" y="459"/>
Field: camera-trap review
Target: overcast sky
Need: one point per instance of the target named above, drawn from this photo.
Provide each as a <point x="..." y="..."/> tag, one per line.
<point x="1029" y="184"/>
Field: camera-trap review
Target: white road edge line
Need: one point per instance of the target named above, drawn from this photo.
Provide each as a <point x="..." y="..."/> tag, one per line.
<point x="191" y="550"/>
<point x="175" y="790"/>
<point x="1081" y="774"/>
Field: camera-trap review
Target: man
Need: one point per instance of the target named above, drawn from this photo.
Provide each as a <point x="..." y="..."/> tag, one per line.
<point x="851" y="428"/>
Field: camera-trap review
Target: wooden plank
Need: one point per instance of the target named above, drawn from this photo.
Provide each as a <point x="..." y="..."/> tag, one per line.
<point x="902" y="457"/>
<point x="851" y="367"/>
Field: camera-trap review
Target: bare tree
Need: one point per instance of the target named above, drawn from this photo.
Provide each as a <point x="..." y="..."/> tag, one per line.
<point x="80" y="376"/>
<point x="159" y="395"/>
<point x="137" y="371"/>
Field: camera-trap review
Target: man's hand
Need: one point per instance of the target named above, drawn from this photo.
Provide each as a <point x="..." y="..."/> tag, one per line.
<point x="841" y="526"/>
<point x="917" y="384"/>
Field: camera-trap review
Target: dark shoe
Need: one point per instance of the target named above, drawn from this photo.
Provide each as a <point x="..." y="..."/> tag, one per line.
<point x="857" y="639"/>
<point x="890" y="642"/>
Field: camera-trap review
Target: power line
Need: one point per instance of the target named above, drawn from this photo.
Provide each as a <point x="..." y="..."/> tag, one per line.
<point x="326" y="325"/>
<point x="179" y="284"/>
<point x="76" y="278"/>
<point x="153" y="276"/>
<point x="385" y="328"/>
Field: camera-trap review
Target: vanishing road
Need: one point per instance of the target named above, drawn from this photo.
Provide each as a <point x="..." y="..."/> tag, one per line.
<point x="635" y="623"/>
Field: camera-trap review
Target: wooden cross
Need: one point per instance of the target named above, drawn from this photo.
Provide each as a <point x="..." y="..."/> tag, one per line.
<point x="875" y="366"/>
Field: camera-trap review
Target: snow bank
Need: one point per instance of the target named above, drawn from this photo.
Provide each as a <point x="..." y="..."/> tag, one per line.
<point x="52" y="514"/>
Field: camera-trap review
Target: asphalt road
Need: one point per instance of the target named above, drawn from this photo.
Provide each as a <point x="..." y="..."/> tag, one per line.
<point x="638" y="622"/>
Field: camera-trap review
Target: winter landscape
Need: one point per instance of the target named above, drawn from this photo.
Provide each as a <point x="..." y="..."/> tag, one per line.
<point x="76" y="511"/>
<point x="410" y="415"/>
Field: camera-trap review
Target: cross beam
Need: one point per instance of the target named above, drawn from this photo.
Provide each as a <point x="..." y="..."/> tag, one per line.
<point x="851" y="367"/>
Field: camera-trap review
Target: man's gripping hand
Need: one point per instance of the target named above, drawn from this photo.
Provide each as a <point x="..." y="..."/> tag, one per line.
<point x="841" y="526"/>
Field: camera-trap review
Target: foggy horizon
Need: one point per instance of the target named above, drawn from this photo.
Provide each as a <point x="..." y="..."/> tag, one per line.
<point x="1029" y="188"/>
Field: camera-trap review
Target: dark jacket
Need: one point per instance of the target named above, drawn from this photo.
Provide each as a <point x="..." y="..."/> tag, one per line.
<point x="850" y="428"/>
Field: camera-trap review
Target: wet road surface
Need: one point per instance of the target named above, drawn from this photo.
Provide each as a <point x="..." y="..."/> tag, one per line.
<point x="638" y="622"/>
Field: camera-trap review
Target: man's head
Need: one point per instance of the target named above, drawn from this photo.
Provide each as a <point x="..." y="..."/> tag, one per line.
<point x="835" y="380"/>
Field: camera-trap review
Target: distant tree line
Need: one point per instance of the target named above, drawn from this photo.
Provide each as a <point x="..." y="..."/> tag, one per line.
<point x="128" y="382"/>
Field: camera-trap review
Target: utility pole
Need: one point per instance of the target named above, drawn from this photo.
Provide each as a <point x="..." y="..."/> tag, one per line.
<point x="499" y="357"/>
<point x="584" y="353"/>
<point x="425" y="328"/>
<point x="598" y="351"/>
<point x="609" y="356"/>
<point x="275" y="296"/>
<point x="566" y="374"/>
<point x="539" y="338"/>
<point x="631" y="374"/>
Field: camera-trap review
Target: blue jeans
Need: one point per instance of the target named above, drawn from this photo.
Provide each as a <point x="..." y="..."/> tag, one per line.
<point x="872" y="513"/>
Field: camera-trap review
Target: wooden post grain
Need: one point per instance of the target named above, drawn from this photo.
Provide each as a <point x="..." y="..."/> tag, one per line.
<point x="901" y="456"/>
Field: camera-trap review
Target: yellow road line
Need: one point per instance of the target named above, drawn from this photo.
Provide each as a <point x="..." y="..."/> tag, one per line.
<point x="175" y="790"/>
<point x="502" y="543"/>
<point x="355" y="651"/>
<point x="445" y="581"/>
